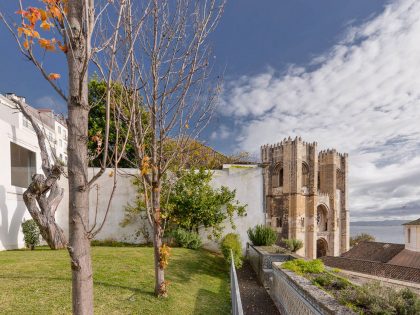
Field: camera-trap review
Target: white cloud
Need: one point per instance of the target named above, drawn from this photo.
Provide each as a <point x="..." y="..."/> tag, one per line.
<point x="362" y="98"/>
<point x="220" y="134"/>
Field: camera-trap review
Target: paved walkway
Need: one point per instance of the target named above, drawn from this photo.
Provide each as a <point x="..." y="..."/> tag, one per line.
<point x="255" y="299"/>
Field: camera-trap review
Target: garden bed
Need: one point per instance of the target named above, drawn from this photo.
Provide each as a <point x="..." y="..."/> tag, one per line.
<point x="370" y="298"/>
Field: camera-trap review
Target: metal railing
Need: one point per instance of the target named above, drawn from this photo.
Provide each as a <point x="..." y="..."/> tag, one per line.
<point x="234" y="288"/>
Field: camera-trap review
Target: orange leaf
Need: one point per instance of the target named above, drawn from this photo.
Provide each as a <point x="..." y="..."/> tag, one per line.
<point x="26" y="44"/>
<point x="47" y="44"/>
<point x="55" y="12"/>
<point x="45" y="26"/>
<point x="43" y="15"/>
<point x="54" y="76"/>
<point x="62" y="47"/>
<point x="35" y="34"/>
<point x="21" y="12"/>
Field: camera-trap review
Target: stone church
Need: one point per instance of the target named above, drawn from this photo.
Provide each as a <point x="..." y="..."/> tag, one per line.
<point x="306" y="196"/>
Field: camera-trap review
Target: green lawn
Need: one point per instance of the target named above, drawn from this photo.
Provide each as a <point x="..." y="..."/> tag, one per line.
<point x="39" y="282"/>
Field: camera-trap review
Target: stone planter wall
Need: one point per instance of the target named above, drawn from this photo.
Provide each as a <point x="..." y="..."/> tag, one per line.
<point x="294" y="294"/>
<point x="261" y="261"/>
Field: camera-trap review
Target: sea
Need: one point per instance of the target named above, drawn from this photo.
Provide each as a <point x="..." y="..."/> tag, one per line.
<point x="382" y="233"/>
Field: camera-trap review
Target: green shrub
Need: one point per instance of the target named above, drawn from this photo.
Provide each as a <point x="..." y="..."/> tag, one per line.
<point x="373" y="298"/>
<point x="330" y="281"/>
<point x="293" y="244"/>
<point x="30" y="233"/>
<point x="232" y="242"/>
<point x="262" y="235"/>
<point x="186" y="239"/>
<point x="301" y="266"/>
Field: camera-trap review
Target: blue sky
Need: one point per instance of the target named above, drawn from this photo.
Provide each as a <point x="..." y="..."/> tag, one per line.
<point x="342" y="73"/>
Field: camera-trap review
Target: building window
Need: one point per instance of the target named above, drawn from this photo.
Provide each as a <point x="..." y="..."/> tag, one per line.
<point x="59" y="130"/>
<point x="61" y="143"/>
<point x="278" y="176"/>
<point x="408" y="235"/>
<point x="23" y="165"/>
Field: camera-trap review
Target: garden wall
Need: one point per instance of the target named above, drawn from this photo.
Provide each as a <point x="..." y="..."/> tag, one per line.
<point x="296" y="295"/>
<point x="246" y="180"/>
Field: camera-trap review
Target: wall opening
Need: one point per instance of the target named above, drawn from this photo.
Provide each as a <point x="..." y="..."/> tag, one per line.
<point x="322" y="218"/>
<point x="278" y="176"/>
<point x="305" y="175"/>
<point x="321" y="248"/>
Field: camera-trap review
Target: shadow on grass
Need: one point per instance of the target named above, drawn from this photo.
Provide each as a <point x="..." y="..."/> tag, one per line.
<point x="207" y="264"/>
<point x="100" y="283"/>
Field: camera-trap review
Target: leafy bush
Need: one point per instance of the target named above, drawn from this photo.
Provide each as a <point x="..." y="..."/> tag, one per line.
<point x="262" y="235"/>
<point x="232" y="242"/>
<point x="30" y="233"/>
<point x="301" y="266"/>
<point x="293" y="244"/>
<point x="187" y="239"/>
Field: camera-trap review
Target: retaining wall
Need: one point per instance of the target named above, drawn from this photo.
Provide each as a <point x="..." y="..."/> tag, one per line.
<point x="295" y="295"/>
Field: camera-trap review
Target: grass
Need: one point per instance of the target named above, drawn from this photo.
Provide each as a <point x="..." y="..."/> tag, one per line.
<point x="39" y="282"/>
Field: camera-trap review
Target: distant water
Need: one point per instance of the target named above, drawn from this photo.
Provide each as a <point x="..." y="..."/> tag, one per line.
<point x="386" y="234"/>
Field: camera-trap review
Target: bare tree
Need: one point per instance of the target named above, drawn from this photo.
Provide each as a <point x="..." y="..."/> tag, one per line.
<point x="86" y="31"/>
<point x="44" y="194"/>
<point x="170" y="71"/>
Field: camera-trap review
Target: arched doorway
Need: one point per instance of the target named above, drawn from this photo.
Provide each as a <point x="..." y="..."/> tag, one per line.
<point x="321" y="247"/>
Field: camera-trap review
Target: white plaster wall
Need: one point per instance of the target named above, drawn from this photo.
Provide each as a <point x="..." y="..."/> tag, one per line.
<point x="100" y="194"/>
<point x="414" y="245"/>
<point x="248" y="183"/>
<point x="12" y="207"/>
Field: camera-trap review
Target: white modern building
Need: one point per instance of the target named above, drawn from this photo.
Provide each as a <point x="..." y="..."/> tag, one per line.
<point x="20" y="159"/>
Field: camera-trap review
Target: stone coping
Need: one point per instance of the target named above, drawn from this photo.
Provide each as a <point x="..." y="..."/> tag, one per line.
<point x="263" y="251"/>
<point x="316" y="297"/>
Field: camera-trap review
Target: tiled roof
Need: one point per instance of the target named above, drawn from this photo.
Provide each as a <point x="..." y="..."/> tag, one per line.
<point x="385" y="270"/>
<point x="415" y="222"/>
<point x="407" y="258"/>
<point x="374" y="251"/>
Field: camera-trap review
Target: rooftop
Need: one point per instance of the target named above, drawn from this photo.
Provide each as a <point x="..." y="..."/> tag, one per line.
<point x="374" y="251"/>
<point x="406" y="258"/>
<point x="415" y="222"/>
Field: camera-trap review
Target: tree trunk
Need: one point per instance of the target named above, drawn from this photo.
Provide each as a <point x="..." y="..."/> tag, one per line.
<point x="51" y="232"/>
<point x="36" y="194"/>
<point x="160" y="285"/>
<point x="78" y="109"/>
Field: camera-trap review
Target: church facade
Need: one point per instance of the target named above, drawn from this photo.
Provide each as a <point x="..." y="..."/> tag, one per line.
<point x="306" y="196"/>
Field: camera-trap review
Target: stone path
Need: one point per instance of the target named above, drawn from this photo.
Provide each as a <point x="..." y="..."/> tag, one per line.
<point x="255" y="299"/>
